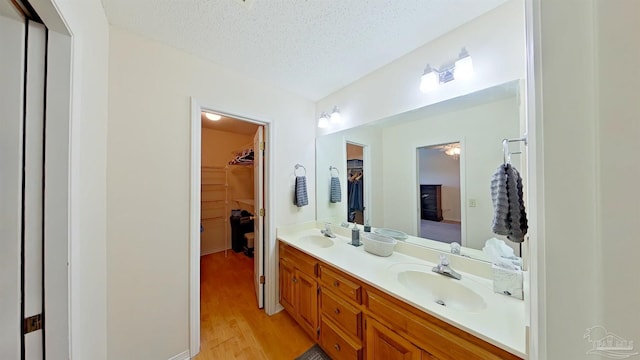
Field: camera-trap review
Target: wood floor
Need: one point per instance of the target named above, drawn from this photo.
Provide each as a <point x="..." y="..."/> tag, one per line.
<point x="232" y="326"/>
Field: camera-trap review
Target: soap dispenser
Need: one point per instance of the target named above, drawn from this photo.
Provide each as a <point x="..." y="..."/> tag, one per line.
<point x="355" y="235"/>
<point x="367" y="227"/>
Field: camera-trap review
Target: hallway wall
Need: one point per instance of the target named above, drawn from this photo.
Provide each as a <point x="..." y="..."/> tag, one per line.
<point x="148" y="176"/>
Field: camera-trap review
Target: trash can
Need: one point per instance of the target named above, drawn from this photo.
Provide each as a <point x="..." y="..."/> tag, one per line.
<point x="241" y="223"/>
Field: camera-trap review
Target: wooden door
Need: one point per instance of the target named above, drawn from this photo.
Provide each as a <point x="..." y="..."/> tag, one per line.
<point x="306" y="294"/>
<point x="384" y="344"/>
<point x="287" y="282"/>
<point x="258" y="223"/>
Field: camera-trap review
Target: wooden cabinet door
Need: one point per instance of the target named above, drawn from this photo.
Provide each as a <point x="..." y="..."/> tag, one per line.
<point x="384" y="344"/>
<point x="306" y="296"/>
<point x="287" y="283"/>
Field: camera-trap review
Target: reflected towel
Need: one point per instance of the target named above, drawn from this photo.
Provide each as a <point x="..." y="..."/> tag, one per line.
<point x="300" y="197"/>
<point x="517" y="213"/>
<point x="335" y="194"/>
<point x="509" y="215"/>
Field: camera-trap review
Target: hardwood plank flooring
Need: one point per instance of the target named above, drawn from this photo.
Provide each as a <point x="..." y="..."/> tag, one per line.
<point x="232" y="326"/>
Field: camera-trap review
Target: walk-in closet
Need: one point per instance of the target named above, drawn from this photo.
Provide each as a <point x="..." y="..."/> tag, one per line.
<point x="227" y="184"/>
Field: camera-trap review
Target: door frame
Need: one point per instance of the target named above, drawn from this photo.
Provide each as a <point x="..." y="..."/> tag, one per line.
<point x="415" y="222"/>
<point x="270" y="271"/>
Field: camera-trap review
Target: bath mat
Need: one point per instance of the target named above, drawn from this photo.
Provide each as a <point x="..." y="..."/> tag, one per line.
<point x="314" y="353"/>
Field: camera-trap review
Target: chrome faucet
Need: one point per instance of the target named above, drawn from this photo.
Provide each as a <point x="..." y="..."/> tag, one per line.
<point x="327" y="231"/>
<point x="444" y="269"/>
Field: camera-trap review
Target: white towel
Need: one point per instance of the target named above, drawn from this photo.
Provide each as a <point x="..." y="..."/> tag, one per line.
<point x="335" y="194"/>
<point x="300" y="197"/>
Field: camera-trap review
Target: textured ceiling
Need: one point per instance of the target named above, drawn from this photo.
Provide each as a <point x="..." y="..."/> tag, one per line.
<point x="309" y="47"/>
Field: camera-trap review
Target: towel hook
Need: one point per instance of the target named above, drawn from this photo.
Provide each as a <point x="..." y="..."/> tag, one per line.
<point x="298" y="166"/>
<point x="334" y="168"/>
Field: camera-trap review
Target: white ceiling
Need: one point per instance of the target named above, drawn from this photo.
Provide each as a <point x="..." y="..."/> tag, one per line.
<point x="309" y="47"/>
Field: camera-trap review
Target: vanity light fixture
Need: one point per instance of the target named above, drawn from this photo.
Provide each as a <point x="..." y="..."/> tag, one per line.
<point x="335" y="115"/>
<point x="325" y="118"/>
<point x="212" y="116"/>
<point x="323" y="121"/>
<point x="461" y="69"/>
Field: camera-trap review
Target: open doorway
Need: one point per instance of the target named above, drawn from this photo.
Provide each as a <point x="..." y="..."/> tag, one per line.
<point x="228" y="212"/>
<point x="355" y="183"/>
<point x="439" y="191"/>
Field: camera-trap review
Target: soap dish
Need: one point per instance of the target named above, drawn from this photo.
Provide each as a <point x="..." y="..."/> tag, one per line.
<point x="378" y="244"/>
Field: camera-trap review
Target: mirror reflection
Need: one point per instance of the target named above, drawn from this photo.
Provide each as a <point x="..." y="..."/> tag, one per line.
<point x="439" y="181"/>
<point x="428" y="171"/>
<point x="355" y="183"/>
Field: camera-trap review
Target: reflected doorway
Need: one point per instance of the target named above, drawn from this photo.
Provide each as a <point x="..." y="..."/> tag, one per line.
<point x="355" y="183"/>
<point x="439" y="190"/>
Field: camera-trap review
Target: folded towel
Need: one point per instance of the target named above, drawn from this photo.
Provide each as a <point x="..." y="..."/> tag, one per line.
<point x="300" y="197"/>
<point x="335" y="194"/>
<point x="510" y="217"/>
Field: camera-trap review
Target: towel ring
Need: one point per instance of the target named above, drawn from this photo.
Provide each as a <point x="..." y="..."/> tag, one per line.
<point x="331" y="168"/>
<point x="298" y="166"/>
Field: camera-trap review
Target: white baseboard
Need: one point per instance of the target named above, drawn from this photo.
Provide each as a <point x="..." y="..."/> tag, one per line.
<point x="182" y="356"/>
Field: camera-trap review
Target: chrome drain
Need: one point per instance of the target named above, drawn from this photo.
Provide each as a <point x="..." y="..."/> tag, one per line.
<point x="440" y="302"/>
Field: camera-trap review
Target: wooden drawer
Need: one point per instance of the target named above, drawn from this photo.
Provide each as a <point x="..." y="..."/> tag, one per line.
<point x="347" y="316"/>
<point x="341" y="285"/>
<point x="337" y="345"/>
<point x="303" y="262"/>
<point x="441" y="340"/>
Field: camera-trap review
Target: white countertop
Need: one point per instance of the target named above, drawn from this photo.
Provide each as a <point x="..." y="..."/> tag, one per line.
<point x="501" y="323"/>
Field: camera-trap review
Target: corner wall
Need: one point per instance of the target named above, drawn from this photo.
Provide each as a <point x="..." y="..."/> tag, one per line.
<point x="149" y="181"/>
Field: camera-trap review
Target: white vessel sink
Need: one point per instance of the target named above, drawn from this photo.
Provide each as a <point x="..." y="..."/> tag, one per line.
<point x="320" y="241"/>
<point x="445" y="291"/>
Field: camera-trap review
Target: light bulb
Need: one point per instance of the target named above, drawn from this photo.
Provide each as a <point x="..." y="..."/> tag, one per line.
<point x="212" y="117"/>
<point x="335" y="115"/>
<point x="323" y="122"/>
<point x="464" y="66"/>
<point x="429" y="80"/>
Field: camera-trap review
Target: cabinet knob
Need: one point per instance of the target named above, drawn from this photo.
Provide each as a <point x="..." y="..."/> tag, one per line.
<point x="336" y="283"/>
<point x="337" y="347"/>
<point x="294" y="280"/>
<point x="337" y="311"/>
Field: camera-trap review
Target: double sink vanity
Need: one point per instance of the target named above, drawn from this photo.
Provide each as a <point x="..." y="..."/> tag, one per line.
<point x="357" y="305"/>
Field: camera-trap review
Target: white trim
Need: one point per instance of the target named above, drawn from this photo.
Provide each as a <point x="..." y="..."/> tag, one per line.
<point x="463" y="184"/>
<point x="57" y="198"/>
<point x="269" y="247"/>
<point x="182" y="356"/>
<point x="537" y="343"/>
<point x="194" y="230"/>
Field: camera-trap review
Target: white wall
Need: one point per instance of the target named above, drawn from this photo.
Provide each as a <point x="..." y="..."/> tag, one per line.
<point x="588" y="118"/>
<point x="436" y="167"/>
<point x="496" y="41"/>
<point x="86" y="22"/>
<point x="148" y="182"/>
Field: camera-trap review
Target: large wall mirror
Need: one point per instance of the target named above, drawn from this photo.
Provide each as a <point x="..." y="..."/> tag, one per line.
<point x="428" y="172"/>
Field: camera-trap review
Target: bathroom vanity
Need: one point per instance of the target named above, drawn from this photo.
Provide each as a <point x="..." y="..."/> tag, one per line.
<point x="360" y="306"/>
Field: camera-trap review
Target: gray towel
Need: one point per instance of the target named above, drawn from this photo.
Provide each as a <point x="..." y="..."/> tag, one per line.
<point x="509" y="218"/>
<point x="500" y="199"/>
<point x="300" y="197"/>
<point x="517" y="213"/>
<point x="335" y="194"/>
